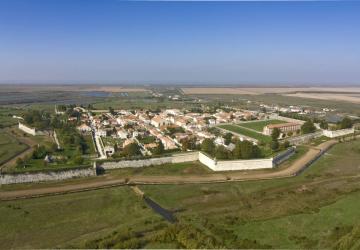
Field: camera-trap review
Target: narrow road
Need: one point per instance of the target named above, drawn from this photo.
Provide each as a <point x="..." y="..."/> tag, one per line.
<point x="111" y="181"/>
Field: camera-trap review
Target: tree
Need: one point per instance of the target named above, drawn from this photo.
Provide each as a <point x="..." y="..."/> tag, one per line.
<point x="131" y="149"/>
<point x="237" y="150"/>
<point x="159" y="149"/>
<point x="275" y="145"/>
<point x="228" y="137"/>
<point x="248" y="150"/>
<point x="286" y="144"/>
<point x="208" y="146"/>
<point x="39" y="152"/>
<point x="275" y="133"/>
<point x="78" y="160"/>
<point x="221" y="153"/>
<point x="346" y="123"/>
<point x="111" y="111"/>
<point x="324" y="125"/>
<point x="188" y="143"/>
<point x="308" y="127"/>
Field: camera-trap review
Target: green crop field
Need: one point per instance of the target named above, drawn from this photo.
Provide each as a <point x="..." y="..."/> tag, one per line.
<point x="9" y="147"/>
<point x="318" y="209"/>
<point x="259" y="125"/>
<point x="246" y="132"/>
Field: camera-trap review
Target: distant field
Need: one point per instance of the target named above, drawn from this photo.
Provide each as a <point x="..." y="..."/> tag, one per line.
<point x="69" y="87"/>
<point x="264" y="90"/>
<point x="9" y="147"/>
<point x="259" y="125"/>
<point x="350" y="97"/>
<point x="246" y="132"/>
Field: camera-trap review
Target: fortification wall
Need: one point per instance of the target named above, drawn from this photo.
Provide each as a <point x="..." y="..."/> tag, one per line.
<point x="337" y="133"/>
<point x="286" y="119"/>
<point x="45" y="176"/>
<point x="185" y="157"/>
<point x="26" y="129"/>
<point x="235" y="164"/>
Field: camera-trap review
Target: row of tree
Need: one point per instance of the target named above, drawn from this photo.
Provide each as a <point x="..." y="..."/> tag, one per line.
<point x="242" y="150"/>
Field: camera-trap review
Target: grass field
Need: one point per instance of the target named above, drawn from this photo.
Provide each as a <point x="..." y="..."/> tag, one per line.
<point x="246" y="132"/>
<point x="183" y="168"/>
<point x="90" y="145"/>
<point x="9" y="147"/>
<point x="259" y="125"/>
<point x="317" y="209"/>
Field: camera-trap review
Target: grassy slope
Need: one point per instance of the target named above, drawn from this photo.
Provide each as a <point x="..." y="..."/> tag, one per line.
<point x="9" y="147"/>
<point x="286" y="213"/>
<point x="246" y="132"/>
<point x="52" y="221"/>
<point x="259" y="125"/>
<point x="165" y="169"/>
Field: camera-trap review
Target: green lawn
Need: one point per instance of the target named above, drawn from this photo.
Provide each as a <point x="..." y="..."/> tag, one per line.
<point x="259" y="125"/>
<point x="6" y="119"/>
<point x="314" y="210"/>
<point x="90" y="145"/>
<point x="246" y="132"/>
<point x="62" y="220"/>
<point x="9" y="147"/>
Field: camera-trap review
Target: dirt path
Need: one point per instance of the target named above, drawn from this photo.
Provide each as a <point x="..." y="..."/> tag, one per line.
<point x="112" y="181"/>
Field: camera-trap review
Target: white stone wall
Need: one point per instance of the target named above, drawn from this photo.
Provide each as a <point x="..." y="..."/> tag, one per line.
<point x="197" y="156"/>
<point x="244" y="164"/>
<point x="45" y="176"/>
<point x="286" y="119"/>
<point x="207" y="161"/>
<point x="26" y="129"/>
<point x="185" y="157"/>
<point x="337" y="133"/>
<point x="235" y="164"/>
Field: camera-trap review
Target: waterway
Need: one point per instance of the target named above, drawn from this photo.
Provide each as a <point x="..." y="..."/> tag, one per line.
<point x="166" y="214"/>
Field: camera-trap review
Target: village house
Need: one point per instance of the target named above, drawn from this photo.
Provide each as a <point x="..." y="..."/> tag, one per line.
<point x="122" y="133"/>
<point x="84" y="128"/>
<point x="101" y="132"/>
<point x="167" y="142"/>
<point x="159" y="121"/>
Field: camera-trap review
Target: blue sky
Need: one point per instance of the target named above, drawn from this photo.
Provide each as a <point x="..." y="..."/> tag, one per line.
<point x="110" y="41"/>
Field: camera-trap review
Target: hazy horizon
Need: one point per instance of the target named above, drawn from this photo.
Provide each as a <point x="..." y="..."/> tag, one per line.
<point x="179" y="43"/>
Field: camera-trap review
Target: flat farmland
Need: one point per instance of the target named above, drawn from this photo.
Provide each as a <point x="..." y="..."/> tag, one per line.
<point x="266" y="90"/>
<point x="349" y="97"/>
<point x="244" y="131"/>
<point x="259" y="125"/>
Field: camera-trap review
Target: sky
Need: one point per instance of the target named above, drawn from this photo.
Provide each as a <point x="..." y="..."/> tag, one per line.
<point x="125" y="42"/>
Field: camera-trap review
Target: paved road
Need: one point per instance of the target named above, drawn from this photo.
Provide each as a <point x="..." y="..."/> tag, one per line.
<point x="111" y="181"/>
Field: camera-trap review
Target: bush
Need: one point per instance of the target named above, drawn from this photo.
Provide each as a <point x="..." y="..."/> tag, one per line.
<point x="208" y="146"/>
<point x="131" y="149"/>
<point x="78" y="160"/>
<point x="39" y="153"/>
<point x="308" y="127"/>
